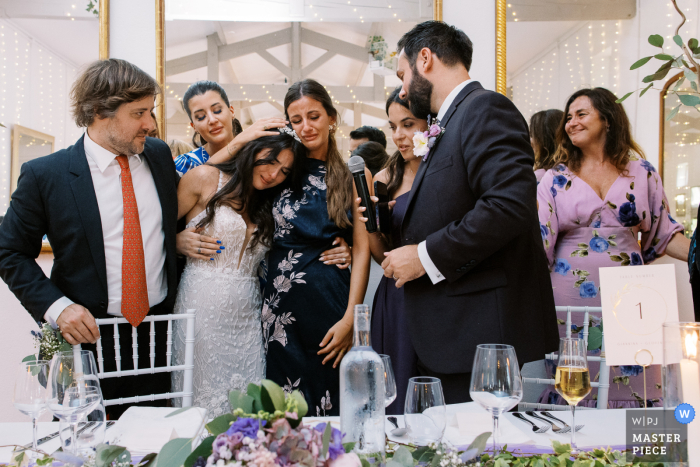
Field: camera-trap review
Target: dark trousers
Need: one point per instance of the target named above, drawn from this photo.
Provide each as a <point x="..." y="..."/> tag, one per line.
<point x="129" y="386"/>
<point x="455" y="387"/>
<point x="695" y="287"/>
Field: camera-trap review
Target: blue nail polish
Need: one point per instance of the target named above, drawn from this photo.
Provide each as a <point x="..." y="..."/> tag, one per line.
<point x="219" y="242"/>
<point x="222" y="247"/>
<point x="211" y="259"/>
<point x="218" y="251"/>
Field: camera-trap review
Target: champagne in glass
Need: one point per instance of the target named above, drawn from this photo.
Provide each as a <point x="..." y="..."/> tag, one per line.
<point x="30" y="393"/>
<point x="572" y="379"/>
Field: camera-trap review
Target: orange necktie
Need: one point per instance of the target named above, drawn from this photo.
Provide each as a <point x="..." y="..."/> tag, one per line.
<point x="134" y="290"/>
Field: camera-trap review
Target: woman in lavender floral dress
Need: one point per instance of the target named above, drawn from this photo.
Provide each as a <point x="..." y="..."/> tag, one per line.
<point x="593" y="207"/>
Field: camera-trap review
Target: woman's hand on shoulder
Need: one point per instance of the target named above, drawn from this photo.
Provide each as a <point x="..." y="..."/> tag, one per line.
<point x="341" y="255"/>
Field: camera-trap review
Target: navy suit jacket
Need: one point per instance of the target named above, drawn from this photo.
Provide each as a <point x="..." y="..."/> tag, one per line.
<point x="474" y="203"/>
<point x="55" y="196"/>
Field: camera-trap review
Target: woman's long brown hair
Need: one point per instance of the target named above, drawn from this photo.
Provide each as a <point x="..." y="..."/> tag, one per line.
<point x="338" y="178"/>
<point x="618" y="139"/>
<point x="395" y="166"/>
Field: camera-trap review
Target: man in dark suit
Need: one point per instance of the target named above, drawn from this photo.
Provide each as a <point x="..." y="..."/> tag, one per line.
<point x="108" y="205"/>
<point x="473" y="268"/>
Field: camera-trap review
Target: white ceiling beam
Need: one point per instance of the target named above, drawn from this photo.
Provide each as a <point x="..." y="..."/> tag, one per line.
<point x="320" y="61"/>
<point x="272" y="92"/>
<point x="269" y="58"/>
<point x="228" y="52"/>
<point x="252" y="45"/>
<point x="571" y="10"/>
<point x="296" y="51"/>
<point x="213" y="57"/>
<point x="346" y="49"/>
<point x="277" y="106"/>
<point x="363" y="109"/>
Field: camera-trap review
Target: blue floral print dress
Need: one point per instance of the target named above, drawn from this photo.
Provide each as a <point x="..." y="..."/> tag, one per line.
<point x="582" y="232"/>
<point x="303" y="297"/>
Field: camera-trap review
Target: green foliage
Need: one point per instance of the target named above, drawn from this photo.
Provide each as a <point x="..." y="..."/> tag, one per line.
<point x="326" y="439"/>
<point x="220" y="424"/>
<point x="595" y="338"/>
<point x="174" y="453"/>
<point x="148" y="460"/>
<point x="640" y="62"/>
<point x="272" y="396"/>
<point x="203" y="450"/>
<point x="656" y="40"/>
<point x="238" y="400"/>
<point x="106" y="454"/>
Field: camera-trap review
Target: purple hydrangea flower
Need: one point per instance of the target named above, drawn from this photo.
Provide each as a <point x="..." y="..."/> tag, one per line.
<point x="246" y="426"/>
<point x="335" y="447"/>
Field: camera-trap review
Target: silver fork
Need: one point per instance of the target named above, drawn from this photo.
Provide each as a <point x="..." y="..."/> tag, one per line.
<point x="549" y="415"/>
<point x="535" y="428"/>
<point x="555" y="428"/>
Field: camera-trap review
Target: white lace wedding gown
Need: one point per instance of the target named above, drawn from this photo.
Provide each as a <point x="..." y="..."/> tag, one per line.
<point x="225" y="294"/>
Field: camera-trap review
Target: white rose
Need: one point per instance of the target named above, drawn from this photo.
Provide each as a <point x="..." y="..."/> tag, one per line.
<point x="420" y="144"/>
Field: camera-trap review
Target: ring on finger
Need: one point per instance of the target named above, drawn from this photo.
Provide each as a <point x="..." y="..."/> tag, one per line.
<point x="199" y="251"/>
<point x="265" y="127"/>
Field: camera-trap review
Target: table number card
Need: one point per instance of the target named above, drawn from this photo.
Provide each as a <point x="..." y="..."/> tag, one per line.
<point x="636" y="302"/>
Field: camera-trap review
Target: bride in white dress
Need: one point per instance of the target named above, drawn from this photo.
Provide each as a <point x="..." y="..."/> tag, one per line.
<point x="231" y="202"/>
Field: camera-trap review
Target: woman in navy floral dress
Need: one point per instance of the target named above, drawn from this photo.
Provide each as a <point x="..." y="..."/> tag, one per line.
<point x="593" y="206"/>
<point x="307" y="307"/>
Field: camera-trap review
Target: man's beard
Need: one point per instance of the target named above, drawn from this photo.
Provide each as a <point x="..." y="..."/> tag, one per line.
<point x="420" y="92"/>
<point x="121" y="144"/>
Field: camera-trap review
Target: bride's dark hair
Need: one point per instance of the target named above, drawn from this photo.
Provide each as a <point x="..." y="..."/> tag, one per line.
<point x="238" y="192"/>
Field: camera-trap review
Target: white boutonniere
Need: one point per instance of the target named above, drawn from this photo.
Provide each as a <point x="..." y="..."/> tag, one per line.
<point x="423" y="141"/>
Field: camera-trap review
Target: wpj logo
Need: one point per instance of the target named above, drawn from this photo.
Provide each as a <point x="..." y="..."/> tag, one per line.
<point x="655" y="436"/>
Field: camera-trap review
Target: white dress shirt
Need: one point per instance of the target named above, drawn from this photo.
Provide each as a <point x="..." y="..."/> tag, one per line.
<point x="106" y="178"/>
<point x="432" y="271"/>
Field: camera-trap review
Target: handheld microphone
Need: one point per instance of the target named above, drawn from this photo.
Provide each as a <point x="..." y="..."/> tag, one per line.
<point x="357" y="167"/>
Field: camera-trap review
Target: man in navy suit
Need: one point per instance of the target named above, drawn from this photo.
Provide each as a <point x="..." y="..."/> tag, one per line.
<point x="82" y="198"/>
<point x="473" y="267"/>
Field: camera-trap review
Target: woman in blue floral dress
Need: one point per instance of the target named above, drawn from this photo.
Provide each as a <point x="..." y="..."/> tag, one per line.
<point x="593" y="206"/>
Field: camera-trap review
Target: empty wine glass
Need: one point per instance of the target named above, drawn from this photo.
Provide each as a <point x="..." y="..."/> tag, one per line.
<point x="572" y="379"/>
<point x="389" y="380"/>
<point x="425" y="412"/>
<point x="74" y="388"/>
<point x="30" y="392"/>
<point x="496" y="384"/>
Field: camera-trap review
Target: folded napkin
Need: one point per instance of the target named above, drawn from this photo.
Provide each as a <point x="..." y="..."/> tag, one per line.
<point x="143" y="430"/>
<point x="467" y="421"/>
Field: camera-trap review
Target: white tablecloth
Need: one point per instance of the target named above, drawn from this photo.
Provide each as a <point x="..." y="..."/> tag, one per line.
<point x="602" y="428"/>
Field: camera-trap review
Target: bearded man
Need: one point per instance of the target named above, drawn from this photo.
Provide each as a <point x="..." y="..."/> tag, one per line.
<point x="473" y="267"/>
<point x="108" y="206"/>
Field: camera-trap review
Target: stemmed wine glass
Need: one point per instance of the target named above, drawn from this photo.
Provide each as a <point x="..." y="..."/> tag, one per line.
<point x="496" y="383"/>
<point x="572" y="379"/>
<point x="425" y="411"/>
<point x="30" y="392"/>
<point x="74" y="388"/>
<point x="389" y="380"/>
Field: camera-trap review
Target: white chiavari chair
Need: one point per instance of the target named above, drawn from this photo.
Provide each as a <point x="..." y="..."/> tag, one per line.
<point x="187" y="367"/>
<point x="603" y="383"/>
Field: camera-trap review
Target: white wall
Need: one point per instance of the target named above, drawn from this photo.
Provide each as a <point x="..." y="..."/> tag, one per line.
<point x="477" y="18"/>
<point x="132" y="35"/>
<point x="34" y="85"/>
<point x="600" y="53"/>
<point x="16" y="343"/>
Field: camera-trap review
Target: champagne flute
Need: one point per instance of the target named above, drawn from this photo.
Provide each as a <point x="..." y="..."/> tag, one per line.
<point x="30" y="393"/>
<point x="572" y="379"/>
<point x="74" y="388"/>
<point x="389" y="380"/>
<point x="496" y="384"/>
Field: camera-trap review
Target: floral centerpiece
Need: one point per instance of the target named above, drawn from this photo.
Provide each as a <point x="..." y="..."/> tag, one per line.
<point x="265" y="429"/>
<point x="48" y="341"/>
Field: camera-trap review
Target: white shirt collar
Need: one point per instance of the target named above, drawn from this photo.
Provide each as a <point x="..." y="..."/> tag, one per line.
<point x="101" y="156"/>
<point x="451" y="97"/>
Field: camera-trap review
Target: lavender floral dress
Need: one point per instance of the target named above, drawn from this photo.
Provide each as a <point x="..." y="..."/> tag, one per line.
<point x="582" y="233"/>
